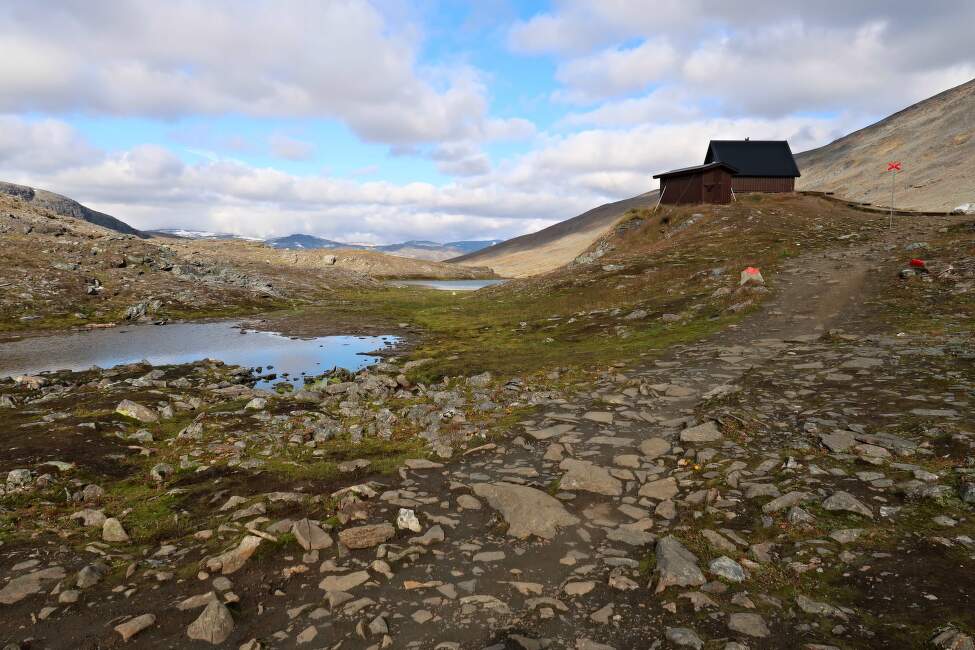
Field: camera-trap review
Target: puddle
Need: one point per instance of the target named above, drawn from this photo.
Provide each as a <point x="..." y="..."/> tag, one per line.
<point x="452" y="285"/>
<point x="187" y="342"/>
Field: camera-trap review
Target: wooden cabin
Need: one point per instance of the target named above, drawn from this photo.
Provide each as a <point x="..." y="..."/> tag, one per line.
<point x="763" y="165"/>
<point x="708" y="183"/>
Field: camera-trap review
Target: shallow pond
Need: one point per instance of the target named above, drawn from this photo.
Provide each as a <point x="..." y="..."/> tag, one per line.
<point x="186" y="342"/>
<point x="452" y="285"/>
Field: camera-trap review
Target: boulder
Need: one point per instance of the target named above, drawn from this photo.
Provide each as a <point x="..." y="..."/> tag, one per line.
<point x="137" y="411"/>
<point x="214" y="625"/>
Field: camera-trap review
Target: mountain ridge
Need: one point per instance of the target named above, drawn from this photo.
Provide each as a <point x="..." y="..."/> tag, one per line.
<point x="67" y="207"/>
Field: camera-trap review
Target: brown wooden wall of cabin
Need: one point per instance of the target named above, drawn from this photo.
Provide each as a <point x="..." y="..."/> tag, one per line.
<point x="679" y="190"/>
<point x="711" y="186"/>
<point x="716" y="186"/>
<point x="763" y="184"/>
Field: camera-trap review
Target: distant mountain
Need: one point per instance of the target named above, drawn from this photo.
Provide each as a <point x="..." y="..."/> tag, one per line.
<point x="65" y="207"/>
<point x="935" y="141"/>
<point x="182" y="233"/>
<point x="416" y="249"/>
<point x="299" y="240"/>
<point x="473" y="246"/>
<point x="555" y="246"/>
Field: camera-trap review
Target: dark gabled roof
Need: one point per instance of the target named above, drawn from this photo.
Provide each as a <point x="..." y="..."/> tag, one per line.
<point x="696" y="169"/>
<point x="755" y="157"/>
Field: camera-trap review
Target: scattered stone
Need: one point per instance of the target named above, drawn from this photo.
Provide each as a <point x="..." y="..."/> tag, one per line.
<point x="406" y="520"/>
<point x="310" y="535"/>
<point x="846" y="502"/>
<point x="684" y="637"/>
<point x="234" y="559"/>
<point x="133" y="626"/>
<point x="366" y="536"/>
<point x="748" y="624"/>
<point x="728" y="569"/>
<point x="112" y="531"/>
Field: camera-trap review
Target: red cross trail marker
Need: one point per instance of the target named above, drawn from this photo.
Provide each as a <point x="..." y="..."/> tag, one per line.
<point x="893" y="167"/>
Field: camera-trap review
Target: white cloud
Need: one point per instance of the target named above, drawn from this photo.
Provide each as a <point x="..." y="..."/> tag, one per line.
<point x="44" y="146"/>
<point x="755" y="57"/>
<point x="616" y="71"/>
<point x="188" y="57"/>
<point x="289" y="148"/>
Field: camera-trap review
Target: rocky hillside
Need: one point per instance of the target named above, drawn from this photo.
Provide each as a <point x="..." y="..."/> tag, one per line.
<point x="370" y="263"/>
<point x="935" y="139"/>
<point x="556" y="245"/>
<point x="61" y="270"/>
<point x="65" y="207"/>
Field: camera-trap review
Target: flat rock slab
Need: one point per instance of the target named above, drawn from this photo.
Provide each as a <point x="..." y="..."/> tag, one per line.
<point x="661" y="490"/>
<point x="603" y="417"/>
<point x="421" y="463"/>
<point x="654" y="447"/>
<point x="838" y="441"/>
<point x="707" y="432"/>
<point x="29" y="584"/>
<point x="528" y="511"/>
<point x="344" y="582"/>
<point x="549" y="432"/>
<point x="588" y="477"/>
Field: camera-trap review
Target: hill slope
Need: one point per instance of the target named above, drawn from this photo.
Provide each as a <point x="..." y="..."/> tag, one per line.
<point x="65" y="207"/>
<point x="934" y="138"/>
<point x="556" y="245"/>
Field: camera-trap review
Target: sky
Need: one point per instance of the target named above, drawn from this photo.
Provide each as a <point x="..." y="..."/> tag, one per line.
<point x="385" y="121"/>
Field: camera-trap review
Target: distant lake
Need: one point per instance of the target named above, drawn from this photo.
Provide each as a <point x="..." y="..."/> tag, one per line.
<point x="187" y="342"/>
<point x="452" y="285"/>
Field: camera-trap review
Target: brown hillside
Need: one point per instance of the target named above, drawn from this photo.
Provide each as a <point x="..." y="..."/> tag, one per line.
<point x="934" y="138"/>
<point x="555" y="246"/>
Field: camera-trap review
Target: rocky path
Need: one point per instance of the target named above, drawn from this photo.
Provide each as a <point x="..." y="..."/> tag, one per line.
<point x="800" y="480"/>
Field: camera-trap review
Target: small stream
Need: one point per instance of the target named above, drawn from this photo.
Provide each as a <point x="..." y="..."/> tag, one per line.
<point x="187" y="342"/>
